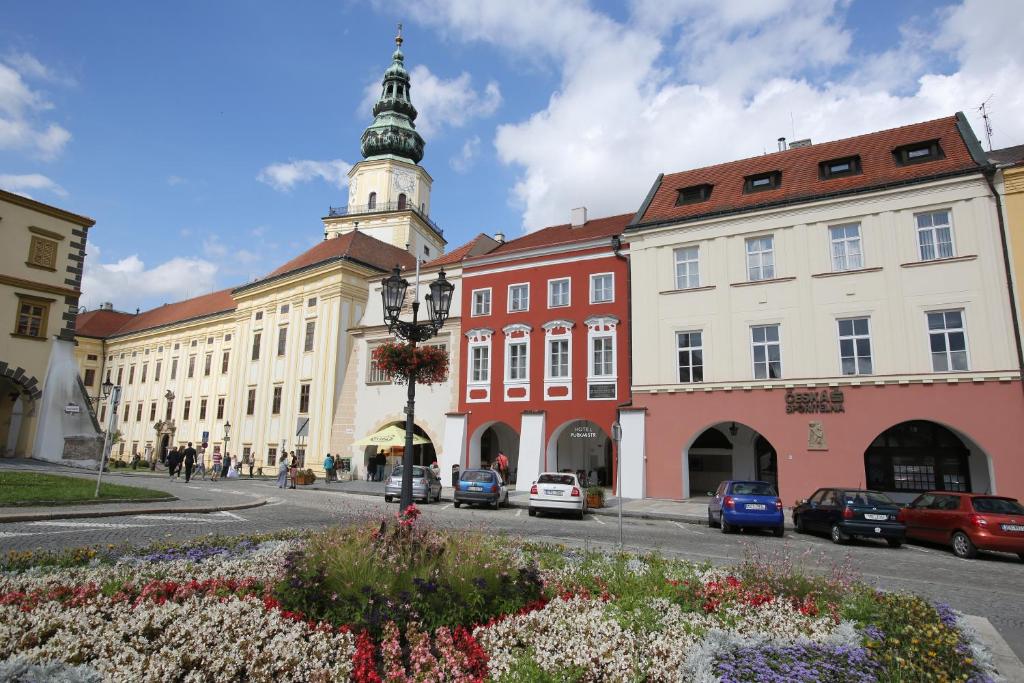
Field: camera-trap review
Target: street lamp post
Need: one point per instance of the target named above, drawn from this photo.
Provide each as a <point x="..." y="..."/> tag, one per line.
<point x="114" y="394"/>
<point x="439" y="301"/>
<point x="227" y="436"/>
<point x="617" y="438"/>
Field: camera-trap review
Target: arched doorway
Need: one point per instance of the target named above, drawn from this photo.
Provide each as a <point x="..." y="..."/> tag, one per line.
<point x="920" y="455"/>
<point x="727" y="450"/>
<point x="582" y="447"/>
<point x="18" y="399"/>
<point x="493" y="438"/>
<point x="379" y="461"/>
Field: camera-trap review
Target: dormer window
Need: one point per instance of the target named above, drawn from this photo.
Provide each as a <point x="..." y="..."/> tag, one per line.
<point x="694" y="194"/>
<point x="839" y="168"/>
<point x="918" y="152"/>
<point x="371" y="203"/>
<point x="762" y="181"/>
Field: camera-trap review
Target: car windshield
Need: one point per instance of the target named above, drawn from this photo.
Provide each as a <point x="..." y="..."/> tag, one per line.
<point x="872" y="498"/>
<point x="477" y="475"/>
<point x="752" y="488"/>
<point x="416" y="472"/>
<point x="567" y="479"/>
<point x="998" y="506"/>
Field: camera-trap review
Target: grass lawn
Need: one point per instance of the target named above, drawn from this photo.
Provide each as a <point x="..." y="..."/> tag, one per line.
<point x="33" y="488"/>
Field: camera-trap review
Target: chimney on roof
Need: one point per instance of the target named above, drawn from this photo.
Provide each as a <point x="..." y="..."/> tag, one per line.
<point x="579" y="217"/>
<point x="806" y="142"/>
<point x="107" y="306"/>
<point x="499" y="237"/>
<point x="782" y="144"/>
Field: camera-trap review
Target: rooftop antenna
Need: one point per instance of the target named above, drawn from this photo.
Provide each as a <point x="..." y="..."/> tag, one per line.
<point x="988" y="121"/>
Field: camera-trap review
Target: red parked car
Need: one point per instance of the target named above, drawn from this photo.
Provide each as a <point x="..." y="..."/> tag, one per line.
<point x="968" y="522"/>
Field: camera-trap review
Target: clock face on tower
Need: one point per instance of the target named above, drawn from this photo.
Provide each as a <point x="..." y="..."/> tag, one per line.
<point x="404" y="181"/>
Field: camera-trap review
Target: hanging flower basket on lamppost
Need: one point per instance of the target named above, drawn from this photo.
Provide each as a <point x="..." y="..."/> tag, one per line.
<point x="398" y="362"/>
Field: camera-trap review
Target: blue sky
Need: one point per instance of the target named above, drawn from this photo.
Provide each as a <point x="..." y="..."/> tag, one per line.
<point x="208" y="138"/>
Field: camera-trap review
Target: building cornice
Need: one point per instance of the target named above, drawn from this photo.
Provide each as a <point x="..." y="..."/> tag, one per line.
<point x="53" y="211"/>
<point x="39" y="286"/>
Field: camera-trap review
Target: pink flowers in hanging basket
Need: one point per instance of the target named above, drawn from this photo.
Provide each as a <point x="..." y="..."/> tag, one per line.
<point x="398" y="362"/>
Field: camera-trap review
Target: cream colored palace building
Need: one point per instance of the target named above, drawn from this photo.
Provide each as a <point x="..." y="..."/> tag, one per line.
<point x="293" y="346"/>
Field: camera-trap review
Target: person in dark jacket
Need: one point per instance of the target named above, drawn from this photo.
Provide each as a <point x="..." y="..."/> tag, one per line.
<point x="190" y="461"/>
<point x="172" y="462"/>
<point x="226" y="465"/>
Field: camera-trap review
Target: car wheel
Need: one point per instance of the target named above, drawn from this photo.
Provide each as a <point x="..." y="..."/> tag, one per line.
<point x="725" y="526"/>
<point x="894" y="542"/>
<point x="579" y="515"/>
<point x="1021" y="556"/>
<point x="457" y="505"/>
<point x="963" y="546"/>
<point x="779" y="531"/>
<point x="532" y="512"/>
<point x="497" y="503"/>
<point x="711" y="520"/>
<point x="838" y="537"/>
<point x="798" y="522"/>
<point x="388" y="499"/>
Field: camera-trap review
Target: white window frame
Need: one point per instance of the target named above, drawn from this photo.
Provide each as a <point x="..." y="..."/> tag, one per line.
<point x="568" y="292"/>
<point x="690" y="264"/>
<point x="593" y="289"/>
<point x="523" y="341"/>
<point x="854" y="337"/>
<point x="373" y="375"/>
<point x="845" y="242"/>
<point x="945" y="334"/>
<point x="593" y="334"/>
<point x="767" y="362"/>
<point x="918" y="230"/>
<point x="550" y="341"/>
<point x="473" y="302"/>
<point x="517" y="285"/>
<point x="760" y="253"/>
<point x="691" y="349"/>
<point x="471" y="369"/>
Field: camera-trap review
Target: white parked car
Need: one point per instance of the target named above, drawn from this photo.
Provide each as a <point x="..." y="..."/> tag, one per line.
<point x="558" y="492"/>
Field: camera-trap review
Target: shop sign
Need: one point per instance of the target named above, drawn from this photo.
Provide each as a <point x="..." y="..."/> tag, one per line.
<point x="814" y="401"/>
<point x="583" y="432"/>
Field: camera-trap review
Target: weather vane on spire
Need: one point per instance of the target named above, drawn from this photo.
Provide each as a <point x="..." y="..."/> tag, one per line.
<point x="398" y="38"/>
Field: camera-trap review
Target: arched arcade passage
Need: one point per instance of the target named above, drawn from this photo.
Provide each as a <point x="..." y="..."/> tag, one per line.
<point x="582" y="447"/>
<point x="727" y="450"/>
<point x="490" y="439"/>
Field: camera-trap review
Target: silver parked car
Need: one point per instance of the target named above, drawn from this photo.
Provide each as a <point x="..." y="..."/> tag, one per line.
<point x="425" y="485"/>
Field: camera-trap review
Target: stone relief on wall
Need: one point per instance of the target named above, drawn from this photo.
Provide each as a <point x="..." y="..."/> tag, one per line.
<point x="816" y="436"/>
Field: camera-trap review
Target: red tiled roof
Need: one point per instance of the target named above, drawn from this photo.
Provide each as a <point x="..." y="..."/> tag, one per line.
<point x="197" y="307"/>
<point x="352" y="245"/>
<point x="100" y="323"/>
<point x="461" y="253"/>
<point x="566" y="234"/>
<point x="799" y="167"/>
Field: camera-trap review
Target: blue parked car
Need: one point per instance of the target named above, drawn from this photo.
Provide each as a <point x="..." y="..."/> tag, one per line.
<point x="746" y="505"/>
<point x="481" y="487"/>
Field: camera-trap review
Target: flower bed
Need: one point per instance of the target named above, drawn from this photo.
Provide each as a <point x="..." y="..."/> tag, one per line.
<point x="399" y="601"/>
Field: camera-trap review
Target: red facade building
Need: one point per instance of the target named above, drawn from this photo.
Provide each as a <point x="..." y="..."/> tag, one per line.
<point x="545" y="351"/>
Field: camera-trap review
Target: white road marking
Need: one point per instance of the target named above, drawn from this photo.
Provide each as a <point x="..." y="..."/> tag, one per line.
<point x="195" y="487"/>
<point x="519" y="512"/>
<point x="594" y="517"/>
<point x="10" y="534"/>
<point x="225" y="513"/>
<point x="446" y="506"/>
<point x="920" y="550"/>
<point x="688" y="527"/>
<point x="94" y="525"/>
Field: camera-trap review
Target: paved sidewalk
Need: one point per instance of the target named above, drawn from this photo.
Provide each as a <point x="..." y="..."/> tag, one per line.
<point x="197" y="497"/>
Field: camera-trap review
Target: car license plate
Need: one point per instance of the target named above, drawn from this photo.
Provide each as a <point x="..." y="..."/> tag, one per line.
<point x="553" y="492"/>
<point x="1012" y="527"/>
<point x="476" y="488"/>
<point x="876" y="517"/>
<point x="755" y="506"/>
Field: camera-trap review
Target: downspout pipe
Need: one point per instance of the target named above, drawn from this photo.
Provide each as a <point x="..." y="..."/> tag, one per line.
<point x="989" y="172"/>
<point x="616" y="249"/>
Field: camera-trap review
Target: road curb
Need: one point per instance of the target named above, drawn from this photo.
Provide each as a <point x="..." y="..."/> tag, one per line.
<point x="86" y="514"/>
<point x="1005" y="660"/>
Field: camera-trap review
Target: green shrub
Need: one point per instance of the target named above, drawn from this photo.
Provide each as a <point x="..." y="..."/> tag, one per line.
<point x="402" y="571"/>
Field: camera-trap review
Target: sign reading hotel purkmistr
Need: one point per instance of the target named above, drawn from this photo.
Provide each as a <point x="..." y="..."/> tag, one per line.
<point x="814" y="401"/>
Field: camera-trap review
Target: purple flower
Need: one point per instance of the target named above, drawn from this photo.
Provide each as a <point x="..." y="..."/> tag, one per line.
<point x="806" y="663"/>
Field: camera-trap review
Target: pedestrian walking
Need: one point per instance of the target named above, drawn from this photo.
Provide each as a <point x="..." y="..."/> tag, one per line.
<point x="328" y="468"/>
<point x="201" y="463"/>
<point x="252" y="463"/>
<point x="293" y="469"/>
<point x="455" y="476"/>
<point x="502" y="461"/>
<point x="382" y="461"/>
<point x="172" y="462"/>
<point x="282" y="471"/>
<point x="226" y="466"/>
<point x="217" y="460"/>
<point x="190" y="461"/>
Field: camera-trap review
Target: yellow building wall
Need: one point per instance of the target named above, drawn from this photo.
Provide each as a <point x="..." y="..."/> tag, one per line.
<point x="1013" y="207"/>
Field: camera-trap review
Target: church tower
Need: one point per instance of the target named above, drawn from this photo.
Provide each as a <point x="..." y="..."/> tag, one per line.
<point x="388" y="191"/>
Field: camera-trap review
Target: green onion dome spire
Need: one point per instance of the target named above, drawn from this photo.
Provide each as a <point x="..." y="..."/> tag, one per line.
<point x="393" y="131"/>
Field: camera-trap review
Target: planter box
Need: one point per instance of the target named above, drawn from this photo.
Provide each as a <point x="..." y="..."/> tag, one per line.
<point x="595" y="501"/>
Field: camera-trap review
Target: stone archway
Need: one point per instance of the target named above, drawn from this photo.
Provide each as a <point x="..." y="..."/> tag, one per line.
<point x="164" y="438"/>
<point x="19" y="394"/>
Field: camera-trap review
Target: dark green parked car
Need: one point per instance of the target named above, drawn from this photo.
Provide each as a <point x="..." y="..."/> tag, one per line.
<point x="850" y="513"/>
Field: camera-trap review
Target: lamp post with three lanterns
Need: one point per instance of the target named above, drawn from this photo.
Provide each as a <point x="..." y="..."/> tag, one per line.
<point x="113" y="393"/>
<point x="439" y="301"/>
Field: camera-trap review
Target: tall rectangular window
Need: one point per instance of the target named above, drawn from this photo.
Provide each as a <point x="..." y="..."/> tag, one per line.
<point x="304" y="398"/>
<point x="602" y="356"/>
<point x="250" y="403"/>
<point x="174" y="368"/>
<point x="934" y="235"/>
<point x="282" y="341"/>
<point x="32" y="317"/>
<point x="518" y="367"/>
<point x="558" y="292"/>
<point x="275" y="405"/>
<point x="602" y="288"/>
<point x="855" y="346"/>
<point x="310" y="335"/>
<point x="558" y="358"/>
<point x="767" y="351"/>
<point x="170" y="409"/>
<point x="103" y="413"/>
<point x="90" y="377"/>
<point x="120" y="375"/>
<point x="761" y="258"/>
<point x="846" y="251"/>
<point x="156" y="370"/>
<point x="145" y="369"/>
<point x="481" y="302"/>
<point x="690" y="347"/>
<point x="224" y="362"/>
<point x="202" y="409"/>
<point x="186" y="409"/>
<point x="207" y="365"/>
<point x="272" y="455"/>
<point x="518" y="298"/>
<point x="220" y="408"/>
<point x="191" y="367"/>
<point x="131" y="374"/>
<point x="947" y="339"/>
<point x="374" y="375"/>
<point x="127" y="411"/>
<point x="480" y="364"/>
<point x="687" y="267"/>
<point x="256" y="346"/>
<point x="152" y="411"/>
<point x="138" y="412"/>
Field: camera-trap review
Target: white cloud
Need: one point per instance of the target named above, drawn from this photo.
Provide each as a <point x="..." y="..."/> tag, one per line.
<point x="284" y="176"/>
<point x="442" y="102"/>
<point x="466" y="157"/>
<point x="685" y="83"/>
<point x="31" y="67"/>
<point x="22" y="109"/>
<point x="175" y="180"/>
<point x="128" y="283"/>
<point x="23" y="184"/>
